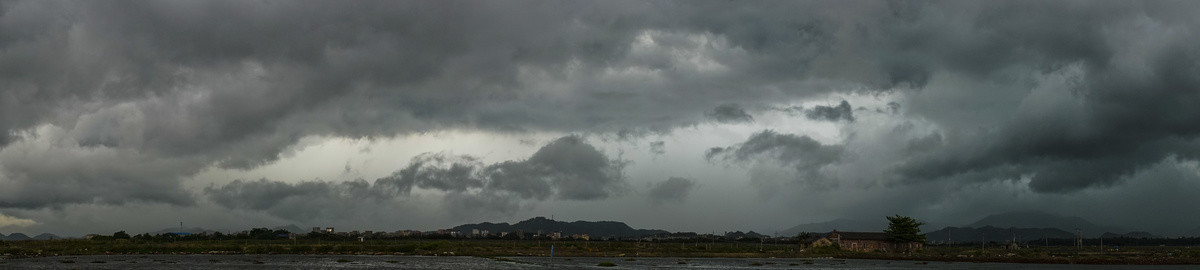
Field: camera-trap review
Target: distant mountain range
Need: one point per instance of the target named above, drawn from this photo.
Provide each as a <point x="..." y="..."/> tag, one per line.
<point x="21" y="236"/>
<point x="1028" y="224"/>
<point x="593" y="228"/>
<point x="15" y="237"/>
<point x="994" y="234"/>
<point x="750" y="234"/>
<point x="47" y="236"/>
<point x="1032" y="219"/>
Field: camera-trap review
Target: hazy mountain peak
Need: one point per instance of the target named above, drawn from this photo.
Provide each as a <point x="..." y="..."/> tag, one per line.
<point x="1038" y="219"/>
<point x="47" y="236"/>
<point x="1031" y="219"/>
<point x="16" y="237"/>
<point x="594" y="228"/>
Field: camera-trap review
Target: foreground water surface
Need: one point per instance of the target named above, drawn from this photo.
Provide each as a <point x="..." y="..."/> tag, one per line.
<point x="450" y="262"/>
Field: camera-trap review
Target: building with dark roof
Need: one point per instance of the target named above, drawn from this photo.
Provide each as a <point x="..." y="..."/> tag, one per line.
<point x="870" y="241"/>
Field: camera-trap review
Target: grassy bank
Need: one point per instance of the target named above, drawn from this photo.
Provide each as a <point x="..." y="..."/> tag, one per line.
<point x="499" y="248"/>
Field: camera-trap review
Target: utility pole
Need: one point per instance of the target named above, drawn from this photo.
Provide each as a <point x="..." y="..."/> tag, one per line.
<point x="1013" y="243"/>
<point x="1078" y="238"/>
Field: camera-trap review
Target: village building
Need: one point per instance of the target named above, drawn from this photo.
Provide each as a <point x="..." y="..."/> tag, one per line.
<point x="870" y="241"/>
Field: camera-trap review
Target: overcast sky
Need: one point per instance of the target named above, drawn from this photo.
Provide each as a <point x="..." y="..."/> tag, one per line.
<point x="686" y="116"/>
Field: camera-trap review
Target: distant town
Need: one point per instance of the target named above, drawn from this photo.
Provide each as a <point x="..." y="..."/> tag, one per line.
<point x="902" y="239"/>
<point x="541" y="228"/>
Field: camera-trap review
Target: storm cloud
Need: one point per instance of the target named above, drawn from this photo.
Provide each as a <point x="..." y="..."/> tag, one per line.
<point x="298" y="201"/>
<point x="672" y="190"/>
<point x="566" y="169"/>
<point x="116" y="103"/>
<point x="831" y="113"/>
<point x="730" y="113"/>
<point x="805" y="157"/>
<point x="658" y="147"/>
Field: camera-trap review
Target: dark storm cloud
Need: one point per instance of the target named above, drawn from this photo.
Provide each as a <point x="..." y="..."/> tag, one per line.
<point x="729" y="113"/>
<point x="297" y="201"/>
<point x="157" y="91"/>
<point x="805" y="156"/>
<point x="1119" y="68"/>
<point x="567" y="168"/>
<point x="788" y="148"/>
<point x="235" y="83"/>
<point x="658" y="148"/>
<point x="576" y="170"/>
<point x="437" y="171"/>
<point x="674" y="189"/>
<point x="831" y="113"/>
<point x="35" y="178"/>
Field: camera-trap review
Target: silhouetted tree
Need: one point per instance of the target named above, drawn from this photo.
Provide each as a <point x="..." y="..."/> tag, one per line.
<point x="905" y="229"/>
<point x="121" y="235"/>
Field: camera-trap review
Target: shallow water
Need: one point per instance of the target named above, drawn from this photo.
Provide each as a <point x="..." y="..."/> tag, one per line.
<point x="427" y="262"/>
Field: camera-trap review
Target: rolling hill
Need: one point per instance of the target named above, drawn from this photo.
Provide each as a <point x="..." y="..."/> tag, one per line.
<point x="593" y="228"/>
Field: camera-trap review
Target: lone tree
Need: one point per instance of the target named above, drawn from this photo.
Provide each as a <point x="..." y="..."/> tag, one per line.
<point x="904" y="229"/>
<point x="120" y="235"/>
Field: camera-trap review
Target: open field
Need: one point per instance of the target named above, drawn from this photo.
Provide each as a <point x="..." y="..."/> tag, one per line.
<point x="535" y="248"/>
<point x="289" y="261"/>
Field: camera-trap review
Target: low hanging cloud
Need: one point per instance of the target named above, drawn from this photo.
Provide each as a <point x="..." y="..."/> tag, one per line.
<point x="566" y="169"/>
<point x="842" y="111"/>
<point x="658" y="148"/>
<point x="436" y="171"/>
<point x="10" y="221"/>
<point x="729" y="113"/>
<point x="50" y="168"/>
<point x="300" y="201"/>
<point x="803" y="156"/>
<point x="672" y="190"/>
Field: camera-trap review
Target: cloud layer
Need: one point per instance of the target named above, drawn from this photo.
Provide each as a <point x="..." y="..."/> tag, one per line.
<point x="673" y="190"/>
<point x="121" y="103"/>
<point x="565" y="169"/>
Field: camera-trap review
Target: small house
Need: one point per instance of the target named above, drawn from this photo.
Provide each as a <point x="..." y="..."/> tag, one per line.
<point x="870" y="241"/>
